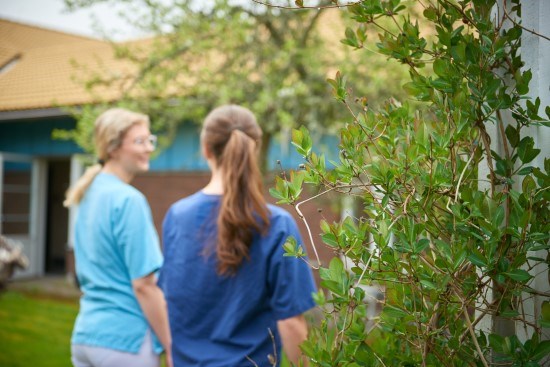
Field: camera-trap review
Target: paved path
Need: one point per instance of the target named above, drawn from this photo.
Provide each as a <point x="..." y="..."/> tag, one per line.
<point x="57" y="286"/>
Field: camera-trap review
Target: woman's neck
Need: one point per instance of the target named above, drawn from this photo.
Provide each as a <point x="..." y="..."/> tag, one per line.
<point x="215" y="186"/>
<point x="118" y="171"/>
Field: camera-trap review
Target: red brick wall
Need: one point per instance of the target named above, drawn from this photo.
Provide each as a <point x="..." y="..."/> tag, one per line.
<point x="163" y="189"/>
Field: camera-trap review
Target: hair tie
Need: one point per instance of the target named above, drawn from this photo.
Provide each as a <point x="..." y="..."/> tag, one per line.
<point x="238" y="129"/>
<point x="101" y="162"/>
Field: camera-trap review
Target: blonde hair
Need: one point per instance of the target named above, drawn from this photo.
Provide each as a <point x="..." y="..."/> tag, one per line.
<point x="110" y="128"/>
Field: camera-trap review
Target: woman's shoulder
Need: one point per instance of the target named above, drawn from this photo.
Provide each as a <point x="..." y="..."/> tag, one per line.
<point x="117" y="191"/>
<point x="278" y="214"/>
<point x="125" y="192"/>
<point x="193" y="202"/>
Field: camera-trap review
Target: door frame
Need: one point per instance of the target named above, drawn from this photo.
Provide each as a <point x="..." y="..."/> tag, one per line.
<point x="35" y="247"/>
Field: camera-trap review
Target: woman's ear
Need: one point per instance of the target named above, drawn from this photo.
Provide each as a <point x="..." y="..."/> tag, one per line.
<point x="112" y="152"/>
<point x="205" y="151"/>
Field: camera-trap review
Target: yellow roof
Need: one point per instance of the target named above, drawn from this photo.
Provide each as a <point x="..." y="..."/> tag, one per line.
<point x="42" y="68"/>
<point x="37" y="67"/>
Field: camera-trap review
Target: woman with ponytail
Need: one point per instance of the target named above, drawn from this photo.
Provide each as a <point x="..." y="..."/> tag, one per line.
<point x="233" y="298"/>
<point x="122" y="319"/>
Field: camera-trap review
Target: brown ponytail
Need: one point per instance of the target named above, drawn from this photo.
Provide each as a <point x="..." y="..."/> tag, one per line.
<point x="232" y="134"/>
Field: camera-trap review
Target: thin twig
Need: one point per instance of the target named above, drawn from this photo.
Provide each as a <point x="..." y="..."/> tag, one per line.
<point x="462" y="174"/>
<point x="407" y="200"/>
<point x="474" y="338"/>
<point x="532" y="31"/>
<point x="252" y="361"/>
<point x="379" y="359"/>
<point x="319" y="7"/>
<point x="301" y="215"/>
<point x="365" y="269"/>
<point x="487" y="144"/>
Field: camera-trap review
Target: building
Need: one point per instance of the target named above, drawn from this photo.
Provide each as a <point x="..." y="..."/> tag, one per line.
<point x="38" y="79"/>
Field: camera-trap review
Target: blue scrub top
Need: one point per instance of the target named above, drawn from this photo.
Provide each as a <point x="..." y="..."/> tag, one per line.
<point x="115" y="243"/>
<point x="221" y="320"/>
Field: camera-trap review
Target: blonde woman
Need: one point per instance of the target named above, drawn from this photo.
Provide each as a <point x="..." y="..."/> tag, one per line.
<point x="233" y="298"/>
<point x="122" y="313"/>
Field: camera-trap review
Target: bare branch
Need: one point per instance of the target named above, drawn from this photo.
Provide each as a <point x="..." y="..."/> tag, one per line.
<point x="532" y="31"/>
<point x="318" y="7"/>
<point x="301" y="215"/>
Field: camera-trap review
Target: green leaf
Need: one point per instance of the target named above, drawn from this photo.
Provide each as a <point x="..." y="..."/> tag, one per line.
<point x="430" y="13"/>
<point x="428" y="284"/>
<point x="336" y="266"/>
<point x="332" y="286"/>
<point x="528" y="185"/>
<point x="522" y="81"/>
<point x="302" y="141"/>
<point x="325" y="227"/>
<point x="440" y="68"/>
<point x="393" y="311"/>
<point x="526" y="150"/>
<point x="319" y="297"/>
<point x="292" y="248"/>
<point x="542" y="350"/>
<point x="462" y="255"/>
<point x="545" y="311"/>
<point x="477" y="259"/>
<point x="421" y="245"/>
<point x="496" y="342"/>
<point x="442" y="85"/>
<point x="444" y="248"/>
<point x="499" y="216"/>
<point x="513" y="135"/>
<point x="351" y="38"/>
<point x="525" y="170"/>
<point x="330" y="239"/>
<point x="509" y="313"/>
<point x="289" y="245"/>
<point x="276" y="194"/>
<point x="363" y="354"/>
<point x="519" y="275"/>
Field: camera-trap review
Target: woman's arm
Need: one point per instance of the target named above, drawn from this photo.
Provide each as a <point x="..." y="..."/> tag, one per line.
<point x="151" y="300"/>
<point x="293" y="332"/>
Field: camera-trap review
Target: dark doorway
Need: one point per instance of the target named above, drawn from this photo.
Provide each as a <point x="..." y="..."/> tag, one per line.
<point x="57" y="216"/>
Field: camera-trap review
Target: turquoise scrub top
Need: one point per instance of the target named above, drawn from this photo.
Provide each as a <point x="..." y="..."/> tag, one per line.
<point x="115" y="243"/>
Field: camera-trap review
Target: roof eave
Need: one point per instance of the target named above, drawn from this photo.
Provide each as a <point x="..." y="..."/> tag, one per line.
<point x="32" y="114"/>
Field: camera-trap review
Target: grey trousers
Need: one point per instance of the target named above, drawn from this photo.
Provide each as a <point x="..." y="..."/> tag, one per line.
<point x="86" y="356"/>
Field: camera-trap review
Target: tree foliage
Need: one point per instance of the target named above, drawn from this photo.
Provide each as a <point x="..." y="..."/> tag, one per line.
<point x="206" y="54"/>
<point x="454" y="249"/>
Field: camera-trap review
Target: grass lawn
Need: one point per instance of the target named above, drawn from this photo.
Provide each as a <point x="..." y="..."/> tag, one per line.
<point x="35" y="331"/>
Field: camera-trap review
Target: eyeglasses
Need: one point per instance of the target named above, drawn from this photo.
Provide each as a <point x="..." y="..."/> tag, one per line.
<point x="151" y="139"/>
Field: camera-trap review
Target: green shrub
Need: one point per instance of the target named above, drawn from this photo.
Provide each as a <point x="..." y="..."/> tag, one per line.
<point x="451" y="221"/>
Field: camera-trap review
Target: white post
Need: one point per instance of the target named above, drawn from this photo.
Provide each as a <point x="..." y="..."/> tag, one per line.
<point x="535" y="53"/>
<point x="1" y="190"/>
<point x="37" y="230"/>
<point x="77" y="169"/>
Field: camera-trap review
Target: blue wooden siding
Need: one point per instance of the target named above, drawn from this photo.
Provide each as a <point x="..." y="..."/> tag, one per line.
<point x="34" y="137"/>
<point x="184" y="152"/>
